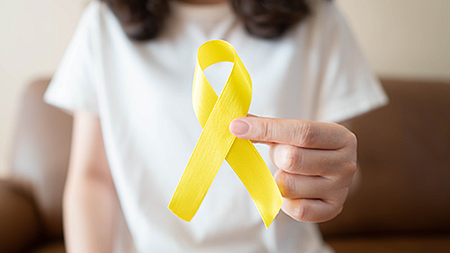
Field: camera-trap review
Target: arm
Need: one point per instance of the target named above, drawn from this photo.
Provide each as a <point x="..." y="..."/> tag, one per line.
<point x="90" y="202"/>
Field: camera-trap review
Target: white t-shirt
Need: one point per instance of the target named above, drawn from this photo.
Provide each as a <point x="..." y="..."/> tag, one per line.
<point x="142" y="94"/>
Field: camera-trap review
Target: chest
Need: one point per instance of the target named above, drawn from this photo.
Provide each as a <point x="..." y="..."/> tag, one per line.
<point x="155" y="82"/>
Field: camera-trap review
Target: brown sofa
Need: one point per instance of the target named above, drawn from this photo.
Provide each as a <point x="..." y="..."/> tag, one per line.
<point x="403" y="204"/>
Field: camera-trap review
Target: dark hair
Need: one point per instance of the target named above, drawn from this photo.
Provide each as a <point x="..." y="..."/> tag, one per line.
<point x="144" y="19"/>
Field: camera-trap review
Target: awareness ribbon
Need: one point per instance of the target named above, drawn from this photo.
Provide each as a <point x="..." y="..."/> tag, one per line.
<point x="216" y="142"/>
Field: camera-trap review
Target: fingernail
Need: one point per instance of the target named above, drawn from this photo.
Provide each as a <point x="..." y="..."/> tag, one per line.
<point x="239" y="127"/>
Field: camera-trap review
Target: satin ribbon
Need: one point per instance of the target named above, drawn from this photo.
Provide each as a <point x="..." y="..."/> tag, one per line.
<point x="216" y="143"/>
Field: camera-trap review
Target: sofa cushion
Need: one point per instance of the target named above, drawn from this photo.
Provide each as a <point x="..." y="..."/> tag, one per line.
<point x="51" y="247"/>
<point x="392" y="244"/>
<point x="404" y="155"/>
<point x="40" y="154"/>
<point x="19" y="224"/>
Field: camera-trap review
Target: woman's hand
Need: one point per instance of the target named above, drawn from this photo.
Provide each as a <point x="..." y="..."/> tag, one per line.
<point x="316" y="163"/>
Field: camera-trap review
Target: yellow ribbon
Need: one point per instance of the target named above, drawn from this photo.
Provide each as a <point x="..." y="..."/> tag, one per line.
<point x="217" y="143"/>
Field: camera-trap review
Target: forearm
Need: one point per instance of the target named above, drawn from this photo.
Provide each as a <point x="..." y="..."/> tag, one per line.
<point x="90" y="209"/>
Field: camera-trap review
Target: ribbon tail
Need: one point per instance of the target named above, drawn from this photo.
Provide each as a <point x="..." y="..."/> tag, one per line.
<point x="256" y="177"/>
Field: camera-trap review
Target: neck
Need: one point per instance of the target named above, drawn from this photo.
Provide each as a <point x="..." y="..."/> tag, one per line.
<point x="203" y="1"/>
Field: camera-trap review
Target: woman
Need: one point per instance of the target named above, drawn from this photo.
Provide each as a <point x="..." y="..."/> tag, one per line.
<point x="126" y="76"/>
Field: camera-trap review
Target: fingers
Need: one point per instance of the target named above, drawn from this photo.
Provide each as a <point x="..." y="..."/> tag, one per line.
<point x="317" y="162"/>
<point x="310" y="210"/>
<point x="310" y="199"/>
<point x="300" y="186"/>
<point x="301" y="133"/>
<point x="312" y="162"/>
<point x="311" y="187"/>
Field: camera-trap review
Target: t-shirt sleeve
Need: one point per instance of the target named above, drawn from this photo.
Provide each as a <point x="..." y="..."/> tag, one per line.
<point x="348" y="87"/>
<point x="73" y="86"/>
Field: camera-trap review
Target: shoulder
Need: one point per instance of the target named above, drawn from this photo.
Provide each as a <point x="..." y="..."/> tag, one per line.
<point x="326" y="18"/>
<point x="324" y="29"/>
<point x="92" y="13"/>
<point x="97" y="15"/>
<point x="96" y="9"/>
<point x="97" y="25"/>
<point x="325" y="10"/>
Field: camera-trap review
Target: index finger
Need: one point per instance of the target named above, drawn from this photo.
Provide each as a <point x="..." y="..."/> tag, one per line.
<point x="300" y="133"/>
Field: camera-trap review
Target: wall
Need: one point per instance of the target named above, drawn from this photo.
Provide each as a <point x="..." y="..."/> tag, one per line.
<point x="401" y="38"/>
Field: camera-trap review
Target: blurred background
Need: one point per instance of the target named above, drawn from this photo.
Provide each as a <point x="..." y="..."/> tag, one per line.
<point x="401" y="39"/>
<point x="403" y="204"/>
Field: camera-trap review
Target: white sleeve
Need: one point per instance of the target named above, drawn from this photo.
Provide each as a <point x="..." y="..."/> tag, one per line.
<point x="348" y="87"/>
<point x="73" y="86"/>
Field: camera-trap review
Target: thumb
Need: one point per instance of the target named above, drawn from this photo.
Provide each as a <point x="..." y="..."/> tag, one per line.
<point x="253" y="128"/>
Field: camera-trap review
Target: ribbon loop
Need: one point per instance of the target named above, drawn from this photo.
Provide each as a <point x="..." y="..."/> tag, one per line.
<point x="216" y="143"/>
